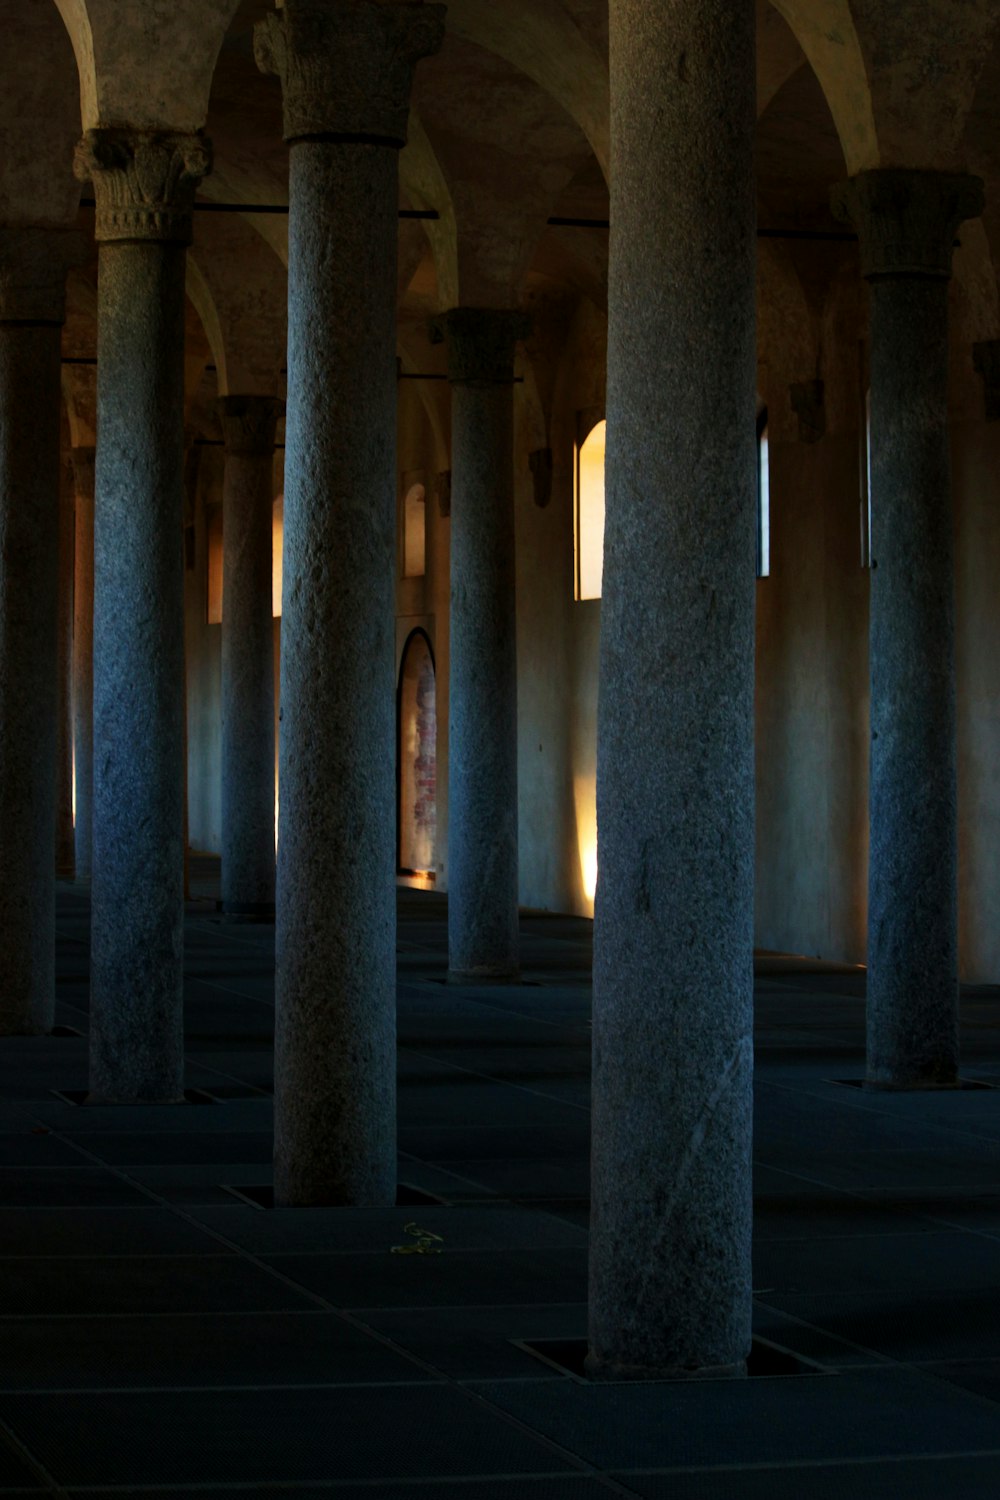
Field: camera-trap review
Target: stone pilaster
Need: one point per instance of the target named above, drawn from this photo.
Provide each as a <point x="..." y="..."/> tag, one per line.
<point x="345" y="72"/>
<point x="986" y="362"/>
<point x="906" y="222"/>
<point x="482" y="733"/>
<point x="670" y="1283"/>
<point x="33" y="265"/>
<point x="248" y="428"/>
<point x="808" y="404"/>
<point x="83" y="660"/>
<point x="144" y="184"/>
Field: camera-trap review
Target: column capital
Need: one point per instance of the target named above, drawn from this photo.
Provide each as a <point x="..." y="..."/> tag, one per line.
<point x="346" y="70"/>
<point x="84" y="461"/>
<point x="33" y="266"/>
<point x="144" y="182"/>
<point x="481" y="343"/>
<point x="249" y="422"/>
<point x="906" y="219"/>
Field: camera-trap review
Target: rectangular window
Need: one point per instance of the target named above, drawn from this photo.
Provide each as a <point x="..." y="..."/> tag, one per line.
<point x="589" y="511"/>
<point x="763" y="499"/>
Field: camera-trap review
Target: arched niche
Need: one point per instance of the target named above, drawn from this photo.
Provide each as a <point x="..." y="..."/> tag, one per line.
<point x="416" y="760"/>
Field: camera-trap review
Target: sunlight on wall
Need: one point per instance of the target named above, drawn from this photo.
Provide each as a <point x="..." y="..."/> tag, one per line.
<point x="590" y="514"/>
<point x="585" y="800"/>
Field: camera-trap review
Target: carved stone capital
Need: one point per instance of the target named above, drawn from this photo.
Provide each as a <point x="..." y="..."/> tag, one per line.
<point x="906" y="220"/>
<point x="248" y="423"/>
<point x="481" y="343"/>
<point x="84" y="463"/>
<point x="144" y="182"/>
<point x="33" y="266"/>
<point x="346" y="70"/>
<point x="808" y="405"/>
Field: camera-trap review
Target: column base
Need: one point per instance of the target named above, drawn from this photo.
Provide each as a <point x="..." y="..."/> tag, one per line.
<point x="920" y="1085"/>
<point x="484" y="976"/>
<point x="598" y="1369"/>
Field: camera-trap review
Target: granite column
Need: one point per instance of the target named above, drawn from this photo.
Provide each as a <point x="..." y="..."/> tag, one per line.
<point x="248" y="426"/>
<point x="906" y="221"/>
<point x="144" y="184"/>
<point x="482" y="755"/>
<point x="83" y="660"/>
<point x="33" y="267"/>
<point x="670" y="1280"/>
<point x="64" y="675"/>
<point x="346" y="74"/>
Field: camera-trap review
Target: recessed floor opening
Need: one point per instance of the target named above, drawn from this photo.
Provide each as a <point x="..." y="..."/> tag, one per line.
<point x="765" y="1360"/>
<point x="261" y="1195"/>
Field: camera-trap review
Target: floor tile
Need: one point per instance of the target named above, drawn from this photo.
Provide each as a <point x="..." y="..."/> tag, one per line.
<point x="340" y="1433"/>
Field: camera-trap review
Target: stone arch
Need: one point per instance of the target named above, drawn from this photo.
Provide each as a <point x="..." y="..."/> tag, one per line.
<point x="826" y="32"/>
<point x="549" y="48"/>
<point x="416" y="758"/>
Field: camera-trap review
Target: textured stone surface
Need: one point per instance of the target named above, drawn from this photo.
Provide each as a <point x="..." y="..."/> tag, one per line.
<point x="248" y="424"/>
<point x="335" y="1115"/>
<point x="912" y="866"/>
<point x="136" y="1021"/>
<point x="29" y="531"/>
<point x="670" y="1255"/>
<point x="482" y="768"/>
<point x="83" y="660"/>
<point x="335" y="1026"/>
<point x="64" y="674"/>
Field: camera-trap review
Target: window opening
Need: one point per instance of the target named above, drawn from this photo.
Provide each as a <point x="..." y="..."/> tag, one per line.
<point x="763" y="498"/>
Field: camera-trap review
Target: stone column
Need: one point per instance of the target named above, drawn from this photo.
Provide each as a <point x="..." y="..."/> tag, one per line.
<point x="482" y="731"/>
<point x="346" y="72"/>
<point x="673" y="939"/>
<point x="144" y="185"/>
<point x="248" y="425"/>
<point x="33" y="267"/>
<point x="83" y="660"/>
<point x="64" y="676"/>
<point x="906" y="221"/>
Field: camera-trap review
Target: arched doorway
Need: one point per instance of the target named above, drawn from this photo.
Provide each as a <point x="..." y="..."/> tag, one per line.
<point x="416" y="762"/>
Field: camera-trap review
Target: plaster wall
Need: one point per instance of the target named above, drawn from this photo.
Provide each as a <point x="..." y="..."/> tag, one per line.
<point x="812" y="707"/>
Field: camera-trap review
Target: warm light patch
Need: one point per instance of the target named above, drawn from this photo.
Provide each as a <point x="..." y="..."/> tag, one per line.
<point x="585" y="801"/>
<point x="590" y="514"/>
<point x="277" y="542"/>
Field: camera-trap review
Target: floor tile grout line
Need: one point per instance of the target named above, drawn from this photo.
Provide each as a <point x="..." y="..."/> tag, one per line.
<point x="517" y="1088"/>
<point x="26" y="1454"/>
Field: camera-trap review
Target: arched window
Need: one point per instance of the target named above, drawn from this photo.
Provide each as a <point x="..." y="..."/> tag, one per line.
<point x="763" y="498"/>
<point x="415" y="532"/>
<point x="417" y="759"/>
<point x="590" y="513"/>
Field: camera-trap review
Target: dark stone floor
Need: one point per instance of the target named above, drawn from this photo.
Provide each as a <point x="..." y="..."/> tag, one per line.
<point x="160" y="1335"/>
